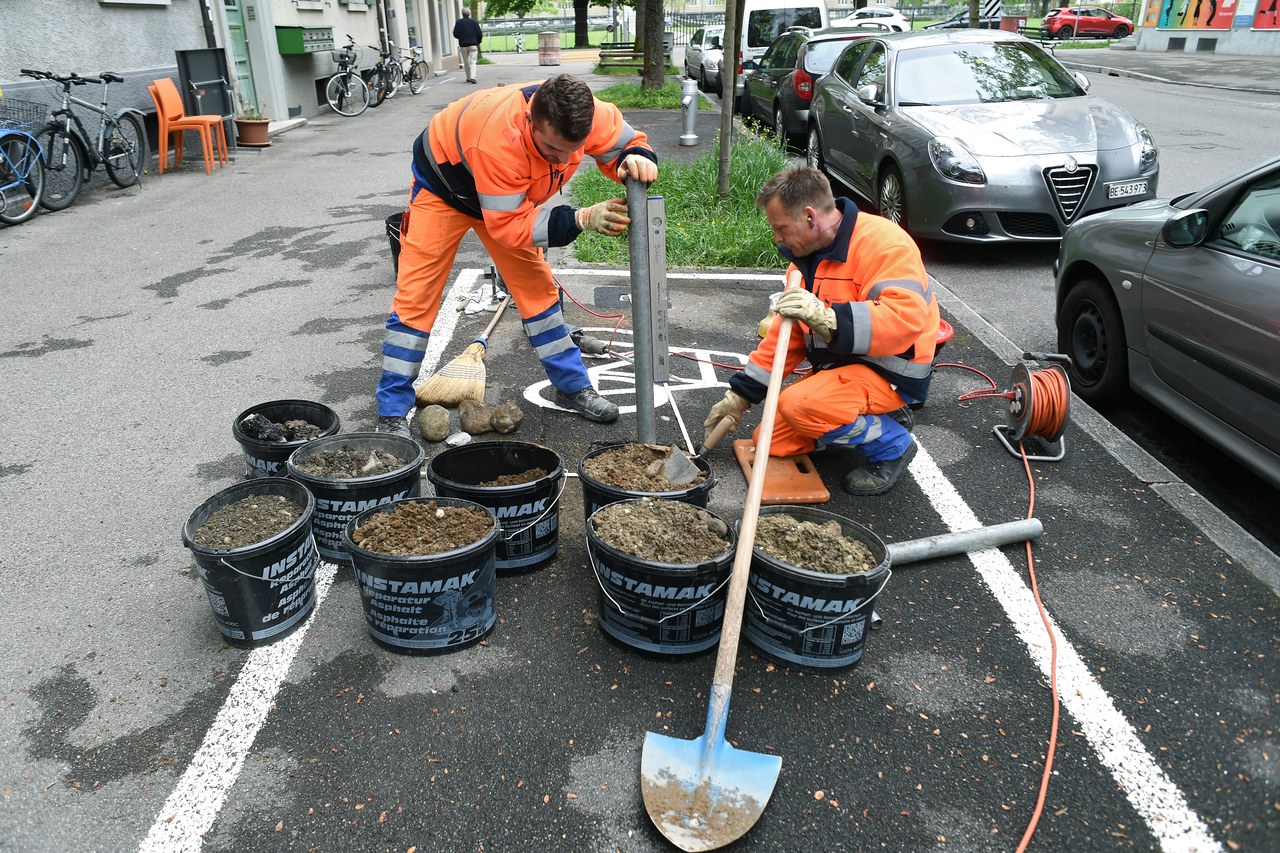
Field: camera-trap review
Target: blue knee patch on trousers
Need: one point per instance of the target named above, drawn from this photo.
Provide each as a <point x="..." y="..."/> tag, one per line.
<point x="877" y="437"/>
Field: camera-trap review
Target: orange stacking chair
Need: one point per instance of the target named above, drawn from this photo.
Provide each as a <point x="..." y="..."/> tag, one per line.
<point x="173" y="119"/>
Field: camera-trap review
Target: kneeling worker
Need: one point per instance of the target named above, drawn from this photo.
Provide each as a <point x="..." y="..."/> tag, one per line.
<point x="489" y="162"/>
<point x="868" y="324"/>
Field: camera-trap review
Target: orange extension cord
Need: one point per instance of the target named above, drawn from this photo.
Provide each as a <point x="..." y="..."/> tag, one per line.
<point x="1049" y="396"/>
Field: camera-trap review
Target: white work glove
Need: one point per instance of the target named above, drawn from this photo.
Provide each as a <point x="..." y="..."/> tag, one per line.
<point x="638" y="168"/>
<point x="608" y="217"/>
<point x="804" y="306"/>
<point x="732" y="407"/>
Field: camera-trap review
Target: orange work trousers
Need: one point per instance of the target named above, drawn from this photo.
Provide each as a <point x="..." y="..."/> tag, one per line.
<point x="837" y="407"/>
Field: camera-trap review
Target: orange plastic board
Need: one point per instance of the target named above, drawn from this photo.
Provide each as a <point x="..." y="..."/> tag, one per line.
<point x="787" y="479"/>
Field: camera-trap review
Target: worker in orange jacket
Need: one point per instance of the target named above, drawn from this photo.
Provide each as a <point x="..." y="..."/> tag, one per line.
<point x="868" y="324"/>
<point x="489" y="163"/>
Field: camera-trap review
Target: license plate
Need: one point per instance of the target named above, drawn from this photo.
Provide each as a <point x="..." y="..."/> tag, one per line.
<point x="1127" y="189"/>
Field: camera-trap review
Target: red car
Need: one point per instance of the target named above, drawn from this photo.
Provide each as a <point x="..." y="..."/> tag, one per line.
<point x="1085" y="21"/>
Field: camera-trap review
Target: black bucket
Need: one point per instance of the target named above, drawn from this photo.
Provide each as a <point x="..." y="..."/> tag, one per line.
<point x="267" y="458"/>
<point x="340" y="500"/>
<point x="427" y="604"/>
<point x="596" y="494"/>
<point x="529" y="513"/>
<point x="810" y="618"/>
<point x="258" y="592"/>
<point x="667" y="608"/>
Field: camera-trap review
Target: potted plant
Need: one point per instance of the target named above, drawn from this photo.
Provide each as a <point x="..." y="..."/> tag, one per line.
<point x="251" y="125"/>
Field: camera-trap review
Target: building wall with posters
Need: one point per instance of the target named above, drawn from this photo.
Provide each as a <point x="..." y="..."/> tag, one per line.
<point x="1239" y="27"/>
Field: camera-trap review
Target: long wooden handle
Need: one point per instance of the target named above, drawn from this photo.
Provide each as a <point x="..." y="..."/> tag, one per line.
<point x="726" y="658"/>
<point x="497" y="315"/>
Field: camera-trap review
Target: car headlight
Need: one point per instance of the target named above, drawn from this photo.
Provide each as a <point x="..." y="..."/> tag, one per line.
<point x="954" y="162"/>
<point x="1148" y="154"/>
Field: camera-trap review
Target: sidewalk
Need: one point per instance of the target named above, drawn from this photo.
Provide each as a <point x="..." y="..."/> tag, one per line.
<point x="1260" y="74"/>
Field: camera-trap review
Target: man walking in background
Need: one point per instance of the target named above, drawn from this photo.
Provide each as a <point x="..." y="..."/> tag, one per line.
<point x="468" y="34"/>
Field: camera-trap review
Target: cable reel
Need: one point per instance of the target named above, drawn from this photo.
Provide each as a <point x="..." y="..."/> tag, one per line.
<point x="1038" y="405"/>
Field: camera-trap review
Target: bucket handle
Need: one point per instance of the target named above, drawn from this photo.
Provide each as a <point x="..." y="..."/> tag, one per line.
<point x="563" y="482"/>
<point x="645" y="619"/>
<point x="847" y="613"/>
<point x="304" y="577"/>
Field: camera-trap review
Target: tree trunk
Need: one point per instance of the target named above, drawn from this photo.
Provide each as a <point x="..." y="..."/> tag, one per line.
<point x="729" y="82"/>
<point x="974" y="13"/>
<point x="655" y="64"/>
<point x="580" y="35"/>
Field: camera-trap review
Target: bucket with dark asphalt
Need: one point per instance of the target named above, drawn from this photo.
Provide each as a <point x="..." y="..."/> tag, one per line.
<point x="267" y="458"/>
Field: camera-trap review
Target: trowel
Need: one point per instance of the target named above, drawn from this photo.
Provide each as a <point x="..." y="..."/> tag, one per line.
<point x="679" y="469"/>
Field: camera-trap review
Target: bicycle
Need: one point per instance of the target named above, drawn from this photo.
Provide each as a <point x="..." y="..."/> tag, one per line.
<point x="21" y="160"/>
<point x="72" y="153"/>
<point x="346" y="91"/>
<point x="415" y="72"/>
<point x="385" y="81"/>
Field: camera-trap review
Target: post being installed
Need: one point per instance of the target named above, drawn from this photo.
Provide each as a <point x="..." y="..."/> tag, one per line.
<point x="648" y="224"/>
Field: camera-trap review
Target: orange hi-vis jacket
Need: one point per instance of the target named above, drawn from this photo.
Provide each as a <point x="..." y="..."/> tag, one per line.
<point x="887" y="317"/>
<point x="478" y="155"/>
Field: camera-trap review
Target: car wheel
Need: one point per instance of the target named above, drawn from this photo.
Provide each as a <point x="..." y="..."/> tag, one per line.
<point x="1091" y="331"/>
<point x="891" y="197"/>
<point x="1121" y="32"/>
<point x="813" y="152"/>
<point x="702" y="80"/>
<point x="1066" y="33"/>
<point x="780" y="129"/>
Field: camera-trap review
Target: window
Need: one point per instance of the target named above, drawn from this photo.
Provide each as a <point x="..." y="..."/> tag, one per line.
<point x="848" y="62"/>
<point x="873" y="70"/>
<point x="1254" y="225"/>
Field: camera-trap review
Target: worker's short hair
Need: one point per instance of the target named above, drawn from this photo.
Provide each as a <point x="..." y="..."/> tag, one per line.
<point x="466" y="13"/>
<point x="566" y="103"/>
<point x="796" y="188"/>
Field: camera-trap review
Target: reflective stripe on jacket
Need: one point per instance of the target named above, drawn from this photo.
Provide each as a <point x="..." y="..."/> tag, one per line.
<point x="872" y="276"/>
<point x="478" y="155"/>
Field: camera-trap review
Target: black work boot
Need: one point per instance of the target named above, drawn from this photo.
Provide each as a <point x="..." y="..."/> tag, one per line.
<point x="904" y="417"/>
<point x="876" y="478"/>
<point x="394" y="425"/>
<point x="589" y="404"/>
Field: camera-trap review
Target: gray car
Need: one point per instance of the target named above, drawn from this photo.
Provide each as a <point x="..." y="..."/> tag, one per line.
<point x="976" y="136"/>
<point x="1180" y="301"/>
<point x="778" y="88"/>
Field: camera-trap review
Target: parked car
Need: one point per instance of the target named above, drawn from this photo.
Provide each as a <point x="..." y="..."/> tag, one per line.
<point x="960" y="21"/>
<point x="1179" y="300"/>
<point x="778" y="88"/>
<point x="702" y="57"/>
<point x="876" y="14"/>
<point x="975" y="135"/>
<point x="1085" y="21"/>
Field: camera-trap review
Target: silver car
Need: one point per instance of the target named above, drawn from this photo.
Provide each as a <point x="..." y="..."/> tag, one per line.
<point x="975" y="135"/>
<point x="702" y="57"/>
<point x="1180" y="301"/>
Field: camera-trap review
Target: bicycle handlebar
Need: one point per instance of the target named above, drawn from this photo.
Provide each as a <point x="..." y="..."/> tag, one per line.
<point x="72" y="79"/>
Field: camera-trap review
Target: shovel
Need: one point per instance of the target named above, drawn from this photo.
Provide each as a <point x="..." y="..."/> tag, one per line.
<point x="703" y="793"/>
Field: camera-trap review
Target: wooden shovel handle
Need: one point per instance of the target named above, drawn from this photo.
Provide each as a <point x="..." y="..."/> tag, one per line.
<point x="727" y="657"/>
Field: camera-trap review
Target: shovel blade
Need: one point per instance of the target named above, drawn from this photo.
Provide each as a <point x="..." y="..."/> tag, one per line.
<point x="679" y="469"/>
<point x="704" y="794"/>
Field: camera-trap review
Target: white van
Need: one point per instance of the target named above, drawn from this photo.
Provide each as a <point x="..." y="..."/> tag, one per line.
<point x="765" y="20"/>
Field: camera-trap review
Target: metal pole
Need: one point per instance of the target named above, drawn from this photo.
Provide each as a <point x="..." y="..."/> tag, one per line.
<point x="641" y="309"/>
<point x="948" y="544"/>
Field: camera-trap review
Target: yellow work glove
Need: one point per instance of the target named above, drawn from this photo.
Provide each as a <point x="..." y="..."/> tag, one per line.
<point x="638" y="168"/>
<point x="732" y="407"/>
<point x="804" y="306"/>
<point x="608" y="217"/>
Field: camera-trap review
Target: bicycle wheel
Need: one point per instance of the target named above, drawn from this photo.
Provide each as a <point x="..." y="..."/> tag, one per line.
<point x="395" y="79"/>
<point x="377" y="88"/>
<point x="21" y="178"/>
<point x="64" y="160"/>
<point x="417" y="77"/>
<point x="126" y="149"/>
<point x="347" y="94"/>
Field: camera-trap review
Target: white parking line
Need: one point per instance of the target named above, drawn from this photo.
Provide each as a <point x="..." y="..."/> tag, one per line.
<point x="1152" y="794"/>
